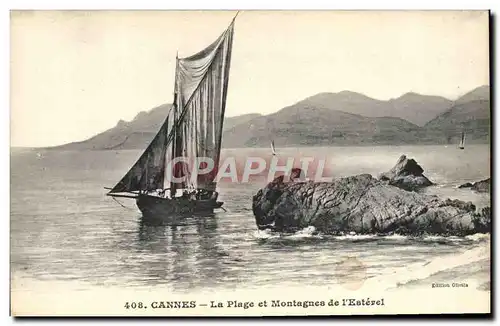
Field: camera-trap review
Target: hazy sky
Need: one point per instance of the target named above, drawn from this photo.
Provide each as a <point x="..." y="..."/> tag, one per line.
<point x="75" y="74"/>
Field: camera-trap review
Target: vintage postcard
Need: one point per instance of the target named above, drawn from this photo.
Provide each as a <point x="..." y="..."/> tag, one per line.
<point x="250" y="163"/>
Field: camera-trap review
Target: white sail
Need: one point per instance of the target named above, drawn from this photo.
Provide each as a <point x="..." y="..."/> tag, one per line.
<point x="201" y="88"/>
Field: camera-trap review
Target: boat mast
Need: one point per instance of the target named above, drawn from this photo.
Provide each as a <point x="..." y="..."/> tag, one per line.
<point x="174" y="129"/>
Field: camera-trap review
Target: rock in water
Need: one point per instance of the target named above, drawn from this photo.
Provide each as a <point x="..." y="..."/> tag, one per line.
<point x="480" y="186"/>
<point x="407" y="174"/>
<point x="361" y="204"/>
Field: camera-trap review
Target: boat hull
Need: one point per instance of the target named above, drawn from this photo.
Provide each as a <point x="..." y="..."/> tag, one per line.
<point x="158" y="208"/>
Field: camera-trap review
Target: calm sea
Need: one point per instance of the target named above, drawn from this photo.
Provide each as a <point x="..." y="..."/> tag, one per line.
<point x="64" y="228"/>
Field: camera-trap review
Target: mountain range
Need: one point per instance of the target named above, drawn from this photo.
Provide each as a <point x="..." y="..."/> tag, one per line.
<point x="329" y="119"/>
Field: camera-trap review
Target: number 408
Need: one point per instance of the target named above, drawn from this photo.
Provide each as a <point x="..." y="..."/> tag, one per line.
<point x="133" y="305"/>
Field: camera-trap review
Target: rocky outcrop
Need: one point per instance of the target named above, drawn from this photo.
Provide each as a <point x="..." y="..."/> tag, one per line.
<point x="362" y="204"/>
<point x="407" y="174"/>
<point x="480" y="186"/>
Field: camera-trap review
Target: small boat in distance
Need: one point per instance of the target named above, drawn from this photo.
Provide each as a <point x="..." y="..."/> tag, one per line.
<point x="273" y="150"/>
<point x="192" y="129"/>
<point x="462" y="141"/>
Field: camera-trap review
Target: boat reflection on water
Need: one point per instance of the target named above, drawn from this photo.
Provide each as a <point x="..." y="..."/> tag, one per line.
<point x="184" y="252"/>
<point x="176" y="220"/>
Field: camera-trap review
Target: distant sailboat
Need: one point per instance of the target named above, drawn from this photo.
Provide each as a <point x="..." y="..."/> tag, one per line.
<point x="193" y="128"/>
<point x="462" y="141"/>
<point x="273" y="150"/>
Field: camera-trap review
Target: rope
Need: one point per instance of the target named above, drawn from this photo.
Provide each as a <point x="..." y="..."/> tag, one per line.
<point x="121" y="204"/>
<point x="236" y="15"/>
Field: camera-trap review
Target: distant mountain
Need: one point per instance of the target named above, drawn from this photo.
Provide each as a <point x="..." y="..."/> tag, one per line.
<point x="413" y="107"/>
<point x="343" y="118"/>
<point x="417" y="108"/>
<point x="308" y="126"/>
<point x="139" y="132"/>
<point x="230" y="122"/>
<point x="346" y="101"/>
<point x="472" y="117"/>
<point x="134" y="134"/>
<point x="477" y="94"/>
<point x="469" y="113"/>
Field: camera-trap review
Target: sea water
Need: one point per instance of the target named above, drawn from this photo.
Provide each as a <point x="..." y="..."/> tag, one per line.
<point x="64" y="230"/>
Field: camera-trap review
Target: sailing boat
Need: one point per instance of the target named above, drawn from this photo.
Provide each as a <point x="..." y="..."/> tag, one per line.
<point x="273" y="150"/>
<point x="462" y="141"/>
<point x="192" y="129"/>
